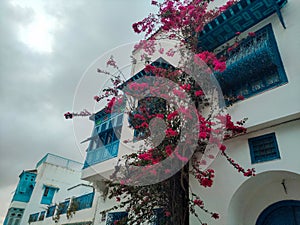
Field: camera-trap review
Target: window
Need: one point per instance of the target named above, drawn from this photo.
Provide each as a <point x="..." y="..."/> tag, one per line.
<point x="116" y="216"/>
<point x="46" y="191"/>
<point x="147" y="107"/>
<point x="48" y="194"/>
<point x="263" y="148"/>
<point x="252" y="67"/>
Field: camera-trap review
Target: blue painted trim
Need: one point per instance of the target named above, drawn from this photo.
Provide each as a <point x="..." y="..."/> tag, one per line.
<point x="101" y="154"/>
<point x="237" y="18"/>
<point x="25" y="187"/>
<point x="48" y="197"/>
<point x="85" y="201"/>
<point x="266" y="212"/>
<point x="253" y="67"/>
<point x="268" y="155"/>
<point x="115" y="216"/>
<point x="50" y="211"/>
<point x="63" y="206"/>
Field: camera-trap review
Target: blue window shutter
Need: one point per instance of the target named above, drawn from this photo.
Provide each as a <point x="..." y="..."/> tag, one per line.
<point x="263" y="148"/>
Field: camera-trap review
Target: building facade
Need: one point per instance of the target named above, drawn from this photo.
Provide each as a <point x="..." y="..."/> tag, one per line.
<point x="263" y="69"/>
<point x="45" y="194"/>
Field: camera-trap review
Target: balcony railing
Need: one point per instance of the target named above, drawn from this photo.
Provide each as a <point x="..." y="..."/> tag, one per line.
<point x="254" y="66"/>
<point x="238" y="18"/>
<point x="101" y="154"/>
<point x="50" y="211"/>
<point x="81" y="202"/>
<point x="85" y="201"/>
<point x="33" y="217"/>
<point x="63" y="206"/>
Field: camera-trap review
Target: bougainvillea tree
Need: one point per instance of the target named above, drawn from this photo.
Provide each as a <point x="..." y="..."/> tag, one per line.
<point x="171" y="199"/>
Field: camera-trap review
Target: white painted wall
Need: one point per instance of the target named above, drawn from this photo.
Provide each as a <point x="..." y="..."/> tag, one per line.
<point x="240" y="200"/>
<point x="228" y="180"/>
<point x="62" y="176"/>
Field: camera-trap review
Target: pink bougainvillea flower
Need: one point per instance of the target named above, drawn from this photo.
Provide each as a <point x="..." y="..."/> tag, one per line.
<point x="169" y="149"/>
<point x="219" y="66"/>
<point x="240" y="97"/>
<point x="215" y="216"/>
<point x="222" y="147"/>
<point x="251" y="34"/>
<point x="171" y="133"/>
<point x="172" y="115"/>
<point x="198" y="202"/>
<point x="199" y="93"/>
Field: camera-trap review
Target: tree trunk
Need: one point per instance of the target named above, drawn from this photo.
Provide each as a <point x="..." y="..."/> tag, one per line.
<point x="179" y="197"/>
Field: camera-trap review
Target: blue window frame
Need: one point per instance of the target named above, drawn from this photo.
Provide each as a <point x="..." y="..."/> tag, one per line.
<point x="281" y="213"/>
<point x="252" y="67"/>
<point x="116" y="216"/>
<point x="42" y="215"/>
<point x="152" y="105"/>
<point x="263" y="148"/>
<point x="48" y="194"/>
<point x="33" y="217"/>
<point x="50" y="211"/>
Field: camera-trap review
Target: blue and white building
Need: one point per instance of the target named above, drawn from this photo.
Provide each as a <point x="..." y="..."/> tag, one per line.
<point x="51" y="188"/>
<point x="264" y="69"/>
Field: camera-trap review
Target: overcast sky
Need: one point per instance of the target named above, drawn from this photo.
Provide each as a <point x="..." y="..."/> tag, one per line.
<point x="45" y="48"/>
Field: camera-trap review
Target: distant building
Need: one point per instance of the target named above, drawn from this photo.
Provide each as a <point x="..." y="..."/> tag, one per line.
<point x="55" y="182"/>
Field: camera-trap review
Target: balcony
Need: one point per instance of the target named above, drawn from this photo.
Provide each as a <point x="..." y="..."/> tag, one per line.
<point x="75" y="204"/>
<point x="252" y="67"/>
<point x="237" y="18"/>
<point x="101" y="154"/>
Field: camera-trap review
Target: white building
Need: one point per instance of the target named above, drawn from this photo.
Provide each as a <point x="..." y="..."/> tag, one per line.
<point x="54" y="181"/>
<point x="264" y="69"/>
<point x="267" y="77"/>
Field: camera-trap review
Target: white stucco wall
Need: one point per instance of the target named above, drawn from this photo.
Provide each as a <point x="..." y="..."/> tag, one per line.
<point x="55" y="175"/>
<point x="240" y="200"/>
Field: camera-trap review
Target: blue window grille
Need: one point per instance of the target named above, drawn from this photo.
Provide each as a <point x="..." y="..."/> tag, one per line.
<point x="263" y="148"/>
<point x="253" y="67"/>
<point x="63" y="206"/>
<point x="50" y="211"/>
<point x="159" y="218"/>
<point x="33" y="217"/>
<point x="116" y="216"/>
<point x="25" y="187"/>
<point x="101" y="154"/>
<point x="48" y="194"/>
<point x="152" y="105"/>
<point x="14" y="216"/>
<point x="85" y="201"/>
<point x="42" y="215"/>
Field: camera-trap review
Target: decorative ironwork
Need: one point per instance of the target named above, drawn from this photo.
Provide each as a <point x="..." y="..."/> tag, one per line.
<point x="116" y="216"/>
<point x="254" y="66"/>
<point x="263" y="148"/>
<point x="237" y="18"/>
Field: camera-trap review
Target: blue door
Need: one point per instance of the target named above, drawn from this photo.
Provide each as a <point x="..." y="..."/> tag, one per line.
<point x="281" y="213"/>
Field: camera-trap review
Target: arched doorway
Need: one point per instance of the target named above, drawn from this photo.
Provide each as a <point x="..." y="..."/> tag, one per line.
<point x="281" y="213"/>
